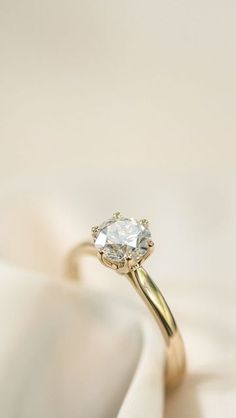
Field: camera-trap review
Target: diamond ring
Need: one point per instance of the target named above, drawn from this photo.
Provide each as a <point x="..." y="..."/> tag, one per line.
<point x="123" y="244"/>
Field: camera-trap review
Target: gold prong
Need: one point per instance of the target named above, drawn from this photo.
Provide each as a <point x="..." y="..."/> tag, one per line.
<point x="130" y="263"/>
<point x="150" y="243"/>
<point x="116" y="215"/>
<point x="94" y="231"/>
<point x="100" y="254"/>
<point x="144" y="222"/>
<point x="128" y="257"/>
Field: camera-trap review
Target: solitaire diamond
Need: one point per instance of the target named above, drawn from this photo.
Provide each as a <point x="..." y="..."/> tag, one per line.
<point x="120" y="238"/>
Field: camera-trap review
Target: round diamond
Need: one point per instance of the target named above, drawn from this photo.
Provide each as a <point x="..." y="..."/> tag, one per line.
<point x="122" y="238"/>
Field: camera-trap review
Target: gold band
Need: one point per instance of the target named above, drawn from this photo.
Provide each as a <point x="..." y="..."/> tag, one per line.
<point x="140" y="279"/>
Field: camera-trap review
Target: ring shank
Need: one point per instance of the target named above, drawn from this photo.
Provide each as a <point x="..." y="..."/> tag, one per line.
<point x="153" y="298"/>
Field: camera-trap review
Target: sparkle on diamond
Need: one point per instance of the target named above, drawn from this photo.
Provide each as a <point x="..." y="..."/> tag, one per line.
<point x="119" y="238"/>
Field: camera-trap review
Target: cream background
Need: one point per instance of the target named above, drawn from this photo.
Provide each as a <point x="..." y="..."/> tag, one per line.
<point x="125" y="105"/>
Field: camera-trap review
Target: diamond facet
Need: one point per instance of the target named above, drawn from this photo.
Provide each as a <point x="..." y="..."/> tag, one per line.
<point x="121" y="238"/>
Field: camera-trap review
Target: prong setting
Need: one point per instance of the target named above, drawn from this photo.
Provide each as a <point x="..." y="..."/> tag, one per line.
<point x="144" y="222"/>
<point x="122" y="243"/>
<point x="116" y="215"/>
<point x="95" y="231"/>
<point x="100" y="255"/>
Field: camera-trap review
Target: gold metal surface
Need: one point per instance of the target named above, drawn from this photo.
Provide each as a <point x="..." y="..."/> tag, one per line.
<point x="153" y="298"/>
